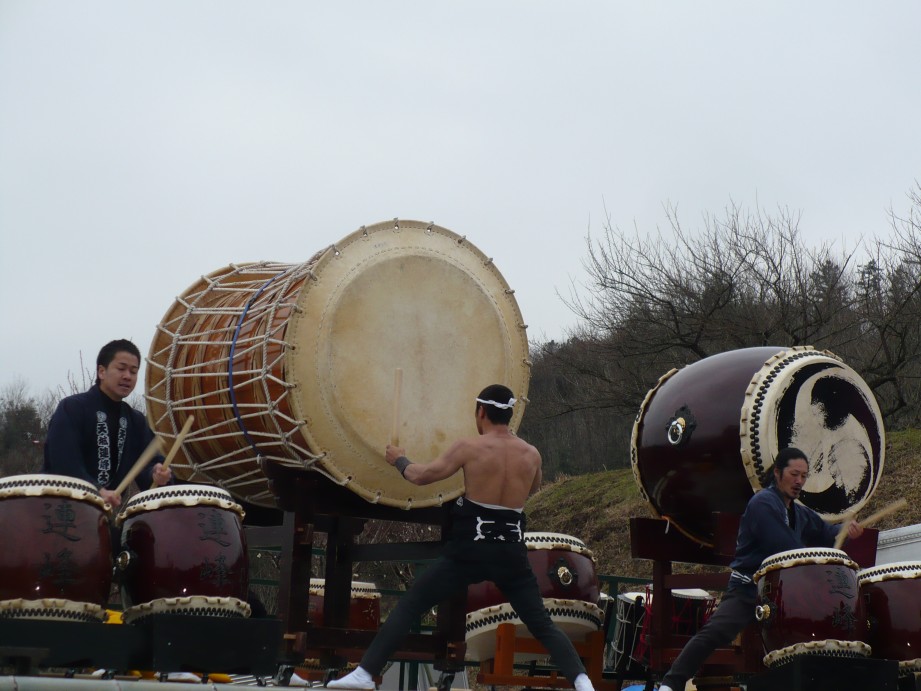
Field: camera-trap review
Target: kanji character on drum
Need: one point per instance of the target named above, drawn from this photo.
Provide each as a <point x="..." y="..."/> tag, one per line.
<point x="96" y="436"/>
<point x="487" y="539"/>
<point x="773" y="522"/>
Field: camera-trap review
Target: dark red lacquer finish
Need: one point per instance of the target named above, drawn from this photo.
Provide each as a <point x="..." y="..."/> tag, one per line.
<point x="364" y="609"/>
<point x="689" y="481"/>
<point x="180" y="551"/>
<point x="894" y="613"/>
<point x="811" y="602"/>
<point x="55" y="547"/>
<point x="561" y="573"/>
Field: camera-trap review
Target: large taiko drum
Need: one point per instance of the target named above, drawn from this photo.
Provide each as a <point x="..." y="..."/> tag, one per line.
<point x="809" y="604"/>
<point x="565" y="571"/>
<point x="56" y="559"/>
<point x="891" y="594"/>
<point x="707" y="434"/>
<point x="294" y="363"/>
<point x="183" y="551"/>
<point x="364" y="604"/>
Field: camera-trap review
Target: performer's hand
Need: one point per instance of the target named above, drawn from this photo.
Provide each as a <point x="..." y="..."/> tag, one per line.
<point x="393" y="453"/>
<point x="854" y="530"/>
<point x="114" y="499"/>
<point x="161" y="476"/>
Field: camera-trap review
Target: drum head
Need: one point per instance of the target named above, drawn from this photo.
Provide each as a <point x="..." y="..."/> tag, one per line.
<point x="412" y="296"/>
<point x="812" y="401"/>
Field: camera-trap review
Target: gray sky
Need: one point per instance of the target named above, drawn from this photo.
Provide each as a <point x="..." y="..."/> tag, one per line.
<point x="144" y="144"/>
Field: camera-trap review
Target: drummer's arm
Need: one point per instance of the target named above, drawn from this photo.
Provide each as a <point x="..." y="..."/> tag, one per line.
<point x="441" y="468"/>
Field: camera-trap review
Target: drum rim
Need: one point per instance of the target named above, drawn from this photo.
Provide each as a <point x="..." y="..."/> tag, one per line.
<point x="301" y="373"/>
<point x="56" y="607"/>
<point x="751" y="425"/>
<point x="830" y="647"/>
<point x="366" y="590"/>
<point x="179" y="496"/>
<point x="32" y="484"/>
<point x="897" y="570"/>
<point x="804" y="556"/>
<point x="229" y="606"/>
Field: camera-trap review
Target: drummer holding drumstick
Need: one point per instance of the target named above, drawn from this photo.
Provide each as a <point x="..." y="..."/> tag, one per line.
<point x="773" y="522"/>
<point x="487" y="538"/>
<point x="96" y="436"/>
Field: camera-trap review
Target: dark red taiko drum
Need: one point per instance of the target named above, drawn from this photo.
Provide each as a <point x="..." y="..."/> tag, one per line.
<point x="56" y="559"/>
<point x="809" y="603"/>
<point x="564" y="568"/>
<point x="183" y="551"/>
<point x="565" y="572"/>
<point x="891" y="594"/>
<point x="707" y="434"/>
<point x="364" y="604"/>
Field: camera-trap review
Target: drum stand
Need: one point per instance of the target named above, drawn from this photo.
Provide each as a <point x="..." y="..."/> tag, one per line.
<point x="313" y="503"/>
<point x="655" y="540"/>
<point x="500" y="670"/>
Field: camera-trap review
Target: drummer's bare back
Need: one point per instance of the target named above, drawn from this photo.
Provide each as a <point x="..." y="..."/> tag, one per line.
<point x="499" y="468"/>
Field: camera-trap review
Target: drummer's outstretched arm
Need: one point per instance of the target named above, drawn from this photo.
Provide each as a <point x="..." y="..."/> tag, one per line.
<point x="441" y="468"/>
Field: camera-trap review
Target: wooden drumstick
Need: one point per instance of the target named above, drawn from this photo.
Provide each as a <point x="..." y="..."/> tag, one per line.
<point x="179" y="439"/>
<point x="397" y="395"/>
<point x="153" y="448"/>
<point x="869" y="520"/>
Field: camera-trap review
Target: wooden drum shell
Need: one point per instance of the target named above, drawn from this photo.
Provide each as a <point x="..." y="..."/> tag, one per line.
<point x="179" y="551"/>
<point x="563" y="566"/>
<point x="891" y="594"/>
<point x="57" y="541"/>
<point x="812" y="595"/>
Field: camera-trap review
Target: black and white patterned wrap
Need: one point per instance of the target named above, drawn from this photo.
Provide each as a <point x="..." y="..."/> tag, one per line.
<point x="47" y="485"/>
<point x="179" y="495"/>
<point x="804" y="557"/>
<point x="887" y="572"/>
<point x="826" y="648"/>
<point x="557" y="541"/>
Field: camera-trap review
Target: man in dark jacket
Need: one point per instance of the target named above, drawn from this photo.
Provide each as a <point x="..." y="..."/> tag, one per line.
<point x="96" y="436"/>
<point x="773" y="522"/>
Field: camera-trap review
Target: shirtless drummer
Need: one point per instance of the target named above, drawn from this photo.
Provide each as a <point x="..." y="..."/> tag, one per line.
<point x="487" y="542"/>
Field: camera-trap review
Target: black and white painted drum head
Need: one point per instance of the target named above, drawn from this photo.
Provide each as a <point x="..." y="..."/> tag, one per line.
<point x="811" y="400"/>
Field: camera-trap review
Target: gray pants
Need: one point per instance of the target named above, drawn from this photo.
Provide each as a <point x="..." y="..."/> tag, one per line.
<point x="504" y="564"/>
<point x="736" y="611"/>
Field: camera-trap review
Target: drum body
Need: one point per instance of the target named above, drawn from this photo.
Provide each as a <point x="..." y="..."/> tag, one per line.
<point x="891" y="594"/>
<point x="564" y="568"/>
<point x="574" y="617"/>
<point x="565" y="571"/>
<point x="364" y="604"/>
<point x="56" y="561"/>
<point x="686" y="453"/>
<point x="183" y="551"/>
<point x="809" y="604"/>
<point x="294" y="363"/>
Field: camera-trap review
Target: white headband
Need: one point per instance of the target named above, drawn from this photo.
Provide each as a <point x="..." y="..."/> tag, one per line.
<point x="503" y="406"/>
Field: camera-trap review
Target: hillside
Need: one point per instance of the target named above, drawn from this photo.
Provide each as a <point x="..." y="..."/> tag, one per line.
<point x="597" y="507"/>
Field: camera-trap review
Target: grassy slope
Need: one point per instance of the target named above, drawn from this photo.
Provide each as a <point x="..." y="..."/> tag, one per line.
<point x="597" y="507"/>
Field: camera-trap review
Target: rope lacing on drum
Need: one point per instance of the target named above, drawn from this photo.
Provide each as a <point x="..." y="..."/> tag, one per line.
<point x="279" y="442"/>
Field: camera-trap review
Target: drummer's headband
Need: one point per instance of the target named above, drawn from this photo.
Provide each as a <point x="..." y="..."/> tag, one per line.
<point x="503" y="406"/>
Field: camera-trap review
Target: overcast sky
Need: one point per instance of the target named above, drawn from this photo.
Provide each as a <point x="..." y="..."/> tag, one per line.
<point x="143" y="144"/>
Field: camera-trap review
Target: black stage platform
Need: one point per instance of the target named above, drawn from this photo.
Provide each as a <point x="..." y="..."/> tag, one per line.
<point x="821" y="673"/>
<point x="164" y="642"/>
